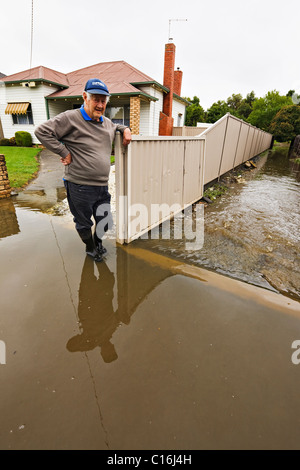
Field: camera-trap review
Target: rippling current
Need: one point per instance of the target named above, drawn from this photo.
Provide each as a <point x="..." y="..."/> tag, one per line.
<point x="251" y="233"/>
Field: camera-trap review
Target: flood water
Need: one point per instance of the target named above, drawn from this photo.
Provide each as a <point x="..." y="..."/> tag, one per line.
<point x="143" y="350"/>
<point x="251" y="233"/>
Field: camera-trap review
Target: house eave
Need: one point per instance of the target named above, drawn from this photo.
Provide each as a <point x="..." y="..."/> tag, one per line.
<point x="142" y="95"/>
<point x="40" y="80"/>
<point x="179" y="98"/>
<point x="152" y="82"/>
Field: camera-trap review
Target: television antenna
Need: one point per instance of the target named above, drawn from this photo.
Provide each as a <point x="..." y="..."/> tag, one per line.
<point x="170" y="21"/>
<point x="31" y="39"/>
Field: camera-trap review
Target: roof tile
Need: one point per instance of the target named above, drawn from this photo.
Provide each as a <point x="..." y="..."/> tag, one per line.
<point x="76" y="80"/>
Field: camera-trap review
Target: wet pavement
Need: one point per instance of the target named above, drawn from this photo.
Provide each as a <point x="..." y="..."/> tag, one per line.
<point x="140" y="351"/>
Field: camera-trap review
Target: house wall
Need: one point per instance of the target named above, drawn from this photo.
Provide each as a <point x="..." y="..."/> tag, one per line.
<point x="178" y="108"/>
<point x="19" y="94"/>
<point x="59" y="106"/>
<point x="149" y="112"/>
<point x="149" y="117"/>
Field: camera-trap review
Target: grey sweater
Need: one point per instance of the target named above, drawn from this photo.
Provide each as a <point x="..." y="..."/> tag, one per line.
<point x="89" y="142"/>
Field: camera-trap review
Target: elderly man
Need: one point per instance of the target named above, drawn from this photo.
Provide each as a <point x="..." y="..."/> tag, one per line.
<point x="83" y="138"/>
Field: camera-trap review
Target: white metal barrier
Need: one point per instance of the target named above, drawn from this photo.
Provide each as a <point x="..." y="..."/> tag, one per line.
<point x="157" y="177"/>
<point x="231" y="142"/>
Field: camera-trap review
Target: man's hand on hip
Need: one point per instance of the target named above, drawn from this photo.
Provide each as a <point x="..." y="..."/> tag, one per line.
<point x="67" y="160"/>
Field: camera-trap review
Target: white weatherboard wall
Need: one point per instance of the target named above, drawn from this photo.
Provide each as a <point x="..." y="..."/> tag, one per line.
<point x="150" y="112"/>
<point x="60" y="105"/>
<point x="178" y="108"/>
<point x="18" y="94"/>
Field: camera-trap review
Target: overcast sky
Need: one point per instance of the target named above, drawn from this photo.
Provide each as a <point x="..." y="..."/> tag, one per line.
<point x="224" y="47"/>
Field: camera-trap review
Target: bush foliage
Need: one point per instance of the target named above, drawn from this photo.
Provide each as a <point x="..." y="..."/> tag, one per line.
<point x="23" y="139"/>
<point x="286" y="124"/>
<point x="4" y="142"/>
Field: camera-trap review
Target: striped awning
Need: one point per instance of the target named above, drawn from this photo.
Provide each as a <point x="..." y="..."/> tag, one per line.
<point x="16" y="108"/>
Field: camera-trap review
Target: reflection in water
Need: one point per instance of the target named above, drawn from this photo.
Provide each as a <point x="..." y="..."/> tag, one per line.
<point x="98" y="320"/>
<point x="97" y="317"/>
<point x="8" y="219"/>
<point x="43" y="200"/>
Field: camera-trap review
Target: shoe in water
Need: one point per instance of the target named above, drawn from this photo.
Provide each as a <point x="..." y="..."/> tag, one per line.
<point x="94" y="254"/>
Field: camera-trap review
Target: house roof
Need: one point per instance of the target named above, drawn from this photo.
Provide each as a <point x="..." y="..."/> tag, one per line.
<point x="2" y="75"/>
<point x="119" y="76"/>
<point x="39" y="74"/>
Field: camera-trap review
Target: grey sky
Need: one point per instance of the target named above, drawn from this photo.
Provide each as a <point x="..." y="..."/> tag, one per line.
<point x="225" y="47"/>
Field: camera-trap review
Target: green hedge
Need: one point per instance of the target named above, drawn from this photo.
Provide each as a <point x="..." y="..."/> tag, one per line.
<point x="23" y="139"/>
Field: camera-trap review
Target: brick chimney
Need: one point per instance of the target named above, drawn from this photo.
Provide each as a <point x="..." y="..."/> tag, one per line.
<point x="177" y="81"/>
<point x="166" y="120"/>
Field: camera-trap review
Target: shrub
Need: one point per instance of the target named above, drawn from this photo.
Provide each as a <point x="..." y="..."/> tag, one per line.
<point x="23" y="139"/>
<point x="4" y="142"/>
<point x="286" y="124"/>
<point x="12" y="141"/>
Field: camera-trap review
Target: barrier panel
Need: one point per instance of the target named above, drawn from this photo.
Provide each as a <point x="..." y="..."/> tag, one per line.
<point x="157" y="177"/>
<point x="231" y="142"/>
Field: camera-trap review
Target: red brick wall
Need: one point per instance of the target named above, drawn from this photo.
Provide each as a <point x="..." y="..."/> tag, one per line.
<point x="177" y="82"/>
<point x="169" y="77"/>
<point x="165" y="124"/>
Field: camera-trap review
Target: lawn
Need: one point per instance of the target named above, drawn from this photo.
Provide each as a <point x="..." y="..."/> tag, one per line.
<point x="22" y="164"/>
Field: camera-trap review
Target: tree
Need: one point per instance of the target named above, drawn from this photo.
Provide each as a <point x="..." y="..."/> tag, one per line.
<point x="250" y="98"/>
<point x="240" y="107"/>
<point x="194" y="112"/>
<point x="216" y="111"/>
<point x="265" y="109"/>
<point x="244" y="110"/>
<point x="290" y="93"/>
<point x="286" y="124"/>
<point x="234" y="102"/>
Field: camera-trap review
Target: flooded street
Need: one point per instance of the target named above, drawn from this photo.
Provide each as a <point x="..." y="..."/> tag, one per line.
<point x="143" y="350"/>
<point x="252" y="233"/>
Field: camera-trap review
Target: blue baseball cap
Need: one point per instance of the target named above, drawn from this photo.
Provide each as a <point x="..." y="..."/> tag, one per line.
<point x="96" y="87"/>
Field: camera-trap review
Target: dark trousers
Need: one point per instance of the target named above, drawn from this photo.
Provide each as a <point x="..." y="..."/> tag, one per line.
<point x="86" y="202"/>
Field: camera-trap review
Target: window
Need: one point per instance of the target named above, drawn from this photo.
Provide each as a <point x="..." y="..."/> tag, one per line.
<point x="23" y="118"/>
<point x="118" y="115"/>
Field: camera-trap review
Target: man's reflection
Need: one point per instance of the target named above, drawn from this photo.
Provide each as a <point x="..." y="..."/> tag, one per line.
<point x="98" y="320"/>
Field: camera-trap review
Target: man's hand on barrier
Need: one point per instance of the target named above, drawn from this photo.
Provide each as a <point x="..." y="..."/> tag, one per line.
<point x="126" y="136"/>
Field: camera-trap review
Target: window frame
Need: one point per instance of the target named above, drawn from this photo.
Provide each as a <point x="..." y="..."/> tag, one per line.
<point x="28" y="116"/>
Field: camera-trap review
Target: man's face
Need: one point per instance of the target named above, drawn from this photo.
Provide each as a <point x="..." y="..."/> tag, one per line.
<point x="95" y="107"/>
